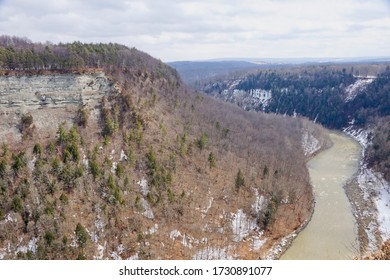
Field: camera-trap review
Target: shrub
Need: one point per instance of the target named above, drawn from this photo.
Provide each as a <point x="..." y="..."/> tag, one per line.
<point x="16" y="204"/>
<point x="151" y="159"/>
<point x="26" y="125"/>
<point x="19" y="162"/>
<point x="94" y="167"/>
<point x="64" y="198"/>
<point x="81" y="236"/>
<point x="119" y="170"/>
<point x="49" y="238"/>
<point x="201" y="142"/>
<point x="3" y="167"/>
<point x="37" y="150"/>
<point x="82" y="117"/>
<point x="212" y="161"/>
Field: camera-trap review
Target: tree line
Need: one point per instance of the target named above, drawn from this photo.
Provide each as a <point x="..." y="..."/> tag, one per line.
<point x="22" y="54"/>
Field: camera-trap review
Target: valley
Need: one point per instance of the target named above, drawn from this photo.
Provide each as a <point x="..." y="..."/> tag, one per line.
<point x="107" y="154"/>
<point x="350" y="97"/>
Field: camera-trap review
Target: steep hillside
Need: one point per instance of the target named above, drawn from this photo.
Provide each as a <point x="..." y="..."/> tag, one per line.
<point x="331" y="95"/>
<point x="337" y="97"/>
<point x="106" y="154"/>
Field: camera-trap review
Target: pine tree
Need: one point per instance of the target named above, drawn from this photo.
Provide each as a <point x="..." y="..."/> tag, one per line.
<point x="212" y="160"/>
<point x="240" y="181"/>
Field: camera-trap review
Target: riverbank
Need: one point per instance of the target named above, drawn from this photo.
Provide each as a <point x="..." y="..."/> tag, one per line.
<point x="314" y="141"/>
<point x="369" y="195"/>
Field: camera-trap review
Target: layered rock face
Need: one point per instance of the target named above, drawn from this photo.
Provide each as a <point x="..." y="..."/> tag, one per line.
<point x="50" y="99"/>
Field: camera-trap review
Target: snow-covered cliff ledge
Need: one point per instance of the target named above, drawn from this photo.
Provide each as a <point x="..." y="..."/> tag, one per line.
<point x="373" y="209"/>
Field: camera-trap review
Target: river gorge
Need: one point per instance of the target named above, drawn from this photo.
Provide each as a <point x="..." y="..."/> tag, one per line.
<point x="332" y="231"/>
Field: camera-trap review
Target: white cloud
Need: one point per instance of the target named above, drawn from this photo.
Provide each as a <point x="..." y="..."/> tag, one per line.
<point x="178" y="29"/>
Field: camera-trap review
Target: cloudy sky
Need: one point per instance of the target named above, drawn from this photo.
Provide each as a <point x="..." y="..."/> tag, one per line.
<point x="203" y="29"/>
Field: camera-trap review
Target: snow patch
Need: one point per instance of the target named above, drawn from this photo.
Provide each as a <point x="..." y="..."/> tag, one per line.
<point x="370" y="231"/>
<point x="382" y="200"/>
<point x="214" y="253"/>
<point x="174" y="234"/>
<point x="278" y="248"/>
<point x="85" y="161"/>
<point x="123" y="156"/>
<point x="205" y="210"/>
<point x="241" y="225"/>
<point x="310" y="144"/>
<point x="100" y="249"/>
<point x="32" y="245"/>
<point x="31" y="164"/>
<point x="260" y="202"/>
<point x="354" y="89"/>
<point x="360" y="135"/>
<point x="148" y="213"/>
<point x="9" y="219"/>
<point x="151" y="230"/>
<point x="143" y="183"/>
<point x="116" y="254"/>
<point x="99" y="227"/>
<point x="113" y="167"/>
<point x="258" y="243"/>
<point x="186" y="239"/>
<point x="374" y="188"/>
<point x="134" y="257"/>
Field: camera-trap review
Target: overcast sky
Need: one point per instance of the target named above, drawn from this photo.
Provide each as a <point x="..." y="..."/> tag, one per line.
<point x="203" y="29"/>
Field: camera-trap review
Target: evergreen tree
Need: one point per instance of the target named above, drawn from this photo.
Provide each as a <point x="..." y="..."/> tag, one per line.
<point x="240" y="181"/>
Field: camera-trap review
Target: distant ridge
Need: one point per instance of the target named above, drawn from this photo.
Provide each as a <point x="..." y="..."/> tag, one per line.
<point x="193" y="71"/>
<point x="301" y="60"/>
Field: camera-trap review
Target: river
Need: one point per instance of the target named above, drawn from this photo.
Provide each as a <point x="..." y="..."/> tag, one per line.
<point x="332" y="232"/>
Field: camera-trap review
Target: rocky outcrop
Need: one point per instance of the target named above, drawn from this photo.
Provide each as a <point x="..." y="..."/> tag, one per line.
<point x="39" y="95"/>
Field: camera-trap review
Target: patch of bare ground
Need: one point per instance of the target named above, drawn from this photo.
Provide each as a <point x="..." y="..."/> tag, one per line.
<point x="382" y="254"/>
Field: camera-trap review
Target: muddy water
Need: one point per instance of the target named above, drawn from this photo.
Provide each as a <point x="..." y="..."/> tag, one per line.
<point x="331" y="234"/>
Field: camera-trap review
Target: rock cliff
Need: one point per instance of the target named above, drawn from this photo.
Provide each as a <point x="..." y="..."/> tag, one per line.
<point x="39" y="95"/>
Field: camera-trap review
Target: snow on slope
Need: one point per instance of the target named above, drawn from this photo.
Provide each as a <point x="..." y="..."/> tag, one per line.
<point x="375" y="188"/>
<point x="354" y="89"/>
<point x="310" y="144"/>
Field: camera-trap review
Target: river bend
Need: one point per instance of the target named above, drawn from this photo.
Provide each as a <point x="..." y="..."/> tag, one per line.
<point x="331" y="233"/>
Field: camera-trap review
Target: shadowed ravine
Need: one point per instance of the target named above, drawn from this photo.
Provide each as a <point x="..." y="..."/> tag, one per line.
<point x="331" y="234"/>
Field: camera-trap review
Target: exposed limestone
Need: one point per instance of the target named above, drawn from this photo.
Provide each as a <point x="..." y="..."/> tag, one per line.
<point x="39" y="95"/>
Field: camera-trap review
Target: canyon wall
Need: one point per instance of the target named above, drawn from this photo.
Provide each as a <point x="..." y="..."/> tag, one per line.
<point x="51" y="99"/>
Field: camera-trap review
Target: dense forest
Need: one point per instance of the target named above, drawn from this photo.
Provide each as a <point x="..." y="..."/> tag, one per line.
<point x="163" y="173"/>
<point x="373" y="101"/>
<point x="378" y="153"/>
<point x="318" y="93"/>
<point x="21" y="54"/>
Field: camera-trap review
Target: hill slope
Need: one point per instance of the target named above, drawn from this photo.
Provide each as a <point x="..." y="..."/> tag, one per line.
<point x="146" y="170"/>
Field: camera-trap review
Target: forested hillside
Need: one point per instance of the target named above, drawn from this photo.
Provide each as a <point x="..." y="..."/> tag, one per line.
<point x="21" y="54"/>
<point x="319" y="93"/>
<point x="337" y="96"/>
<point x="373" y="101"/>
<point x="161" y="172"/>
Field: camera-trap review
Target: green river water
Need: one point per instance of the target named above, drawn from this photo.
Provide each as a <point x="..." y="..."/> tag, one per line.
<point x="331" y="233"/>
